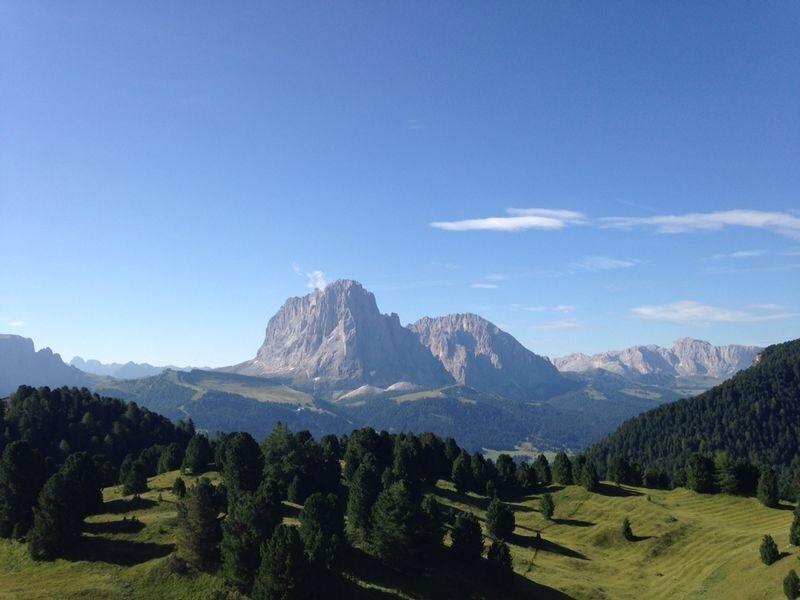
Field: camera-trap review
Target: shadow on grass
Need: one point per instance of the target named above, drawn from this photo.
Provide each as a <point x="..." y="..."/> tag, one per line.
<point x="641" y="538"/>
<point x="453" y="496"/>
<point x="123" y="505"/>
<point x="784" y="507"/>
<point x="449" y="580"/>
<point x="529" y="541"/>
<point x="606" y="489"/>
<point x="120" y="526"/>
<point x="117" y="552"/>
<point x="573" y="522"/>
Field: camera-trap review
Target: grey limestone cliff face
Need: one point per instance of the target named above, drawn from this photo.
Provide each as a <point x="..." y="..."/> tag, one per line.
<point x="21" y="364"/>
<point x="479" y="354"/>
<point x="339" y="335"/>
<point x="687" y="357"/>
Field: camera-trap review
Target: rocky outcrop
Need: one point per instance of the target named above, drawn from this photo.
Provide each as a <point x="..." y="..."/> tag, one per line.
<point x="21" y="364"/>
<point x="686" y="358"/>
<point x="479" y="354"/>
<point x="338" y="335"/>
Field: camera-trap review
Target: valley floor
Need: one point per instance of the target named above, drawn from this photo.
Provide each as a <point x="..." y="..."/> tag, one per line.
<point x="687" y="546"/>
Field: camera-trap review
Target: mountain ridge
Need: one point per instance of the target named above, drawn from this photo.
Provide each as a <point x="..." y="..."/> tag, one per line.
<point x="687" y="357"/>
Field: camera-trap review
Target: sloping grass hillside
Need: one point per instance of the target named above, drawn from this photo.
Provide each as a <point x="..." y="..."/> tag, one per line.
<point x="686" y="546"/>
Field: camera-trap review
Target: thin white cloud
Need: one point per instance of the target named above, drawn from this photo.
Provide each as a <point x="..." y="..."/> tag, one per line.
<point x="605" y="263"/>
<point x="315" y="280"/>
<point x="570" y="323"/>
<point x="560" y="308"/>
<point x="737" y="254"/>
<point x="782" y="223"/>
<point x="519" y="219"/>
<point x="497" y="277"/>
<point x="766" y="306"/>
<point x="690" y="312"/>
<point x="484" y="286"/>
<point x="16" y="323"/>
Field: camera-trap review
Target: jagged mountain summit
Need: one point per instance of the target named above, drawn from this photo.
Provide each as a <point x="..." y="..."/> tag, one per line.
<point x="686" y="358"/>
<point x="338" y="335"/>
<point x="20" y="364"/>
<point x="128" y="370"/>
<point x="479" y="354"/>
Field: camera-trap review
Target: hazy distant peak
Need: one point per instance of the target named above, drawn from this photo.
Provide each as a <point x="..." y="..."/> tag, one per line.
<point x="686" y="357"/>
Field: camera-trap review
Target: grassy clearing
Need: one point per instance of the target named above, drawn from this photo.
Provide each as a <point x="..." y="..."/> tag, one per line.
<point x="687" y="546"/>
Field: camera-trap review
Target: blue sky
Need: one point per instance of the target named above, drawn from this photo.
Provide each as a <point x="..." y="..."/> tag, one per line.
<point x="586" y="175"/>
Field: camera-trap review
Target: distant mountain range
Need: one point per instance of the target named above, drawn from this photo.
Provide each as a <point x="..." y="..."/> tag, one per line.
<point x="128" y="370"/>
<point x="331" y="361"/>
<point x="754" y="415"/>
<point x="686" y="358"/>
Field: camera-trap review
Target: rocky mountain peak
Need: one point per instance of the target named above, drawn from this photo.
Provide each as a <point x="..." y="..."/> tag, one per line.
<point x="338" y="335"/>
<point x="479" y="354"/>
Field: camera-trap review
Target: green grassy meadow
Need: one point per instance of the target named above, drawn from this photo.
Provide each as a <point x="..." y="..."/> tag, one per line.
<point x="687" y="546"/>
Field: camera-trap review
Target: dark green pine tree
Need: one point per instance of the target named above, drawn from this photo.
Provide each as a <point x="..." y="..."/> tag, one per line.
<point x="700" y="474"/>
<point x="250" y="520"/>
<point x="322" y="529"/>
<point x="179" y="487"/>
<point x="547" y="506"/>
<point x="461" y="475"/>
<point x="284" y="572"/>
<point x="365" y="485"/>
<point x="725" y="474"/>
<point x="432" y="530"/>
<point x="627" y="532"/>
<point x="543" y="471"/>
<point x="170" y="459"/>
<point x="243" y="463"/>
<point x="124" y="467"/>
<point x="56" y="523"/>
<point x="588" y="477"/>
<point x="768" y="550"/>
<point x="791" y="585"/>
<point x="767" y="490"/>
<point x="80" y="470"/>
<point x="197" y="456"/>
<point x="198" y="528"/>
<point x="499" y="520"/>
<point x="135" y="481"/>
<point x="22" y="473"/>
<point x="480" y="473"/>
<point x="562" y="469"/>
<point x="794" y="530"/>
<point x="499" y="567"/>
<point x="506" y="472"/>
<point x="399" y="536"/>
<point x="466" y="538"/>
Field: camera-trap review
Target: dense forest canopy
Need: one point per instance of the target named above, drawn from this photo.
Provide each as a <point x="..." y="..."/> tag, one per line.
<point x="754" y="416"/>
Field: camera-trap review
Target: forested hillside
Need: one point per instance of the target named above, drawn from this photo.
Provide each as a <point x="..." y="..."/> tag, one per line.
<point x="754" y="416"/>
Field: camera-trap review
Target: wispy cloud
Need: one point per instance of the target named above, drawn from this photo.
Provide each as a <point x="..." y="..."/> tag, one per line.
<point x="497" y="277"/>
<point x="315" y="280"/>
<point x="570" y="323"/>
<point x="605" y="263"/>
<point x="690" y="312"/>
<point x="737" y="254"/>
<point x="782" y="223"/>
<point x="15" y="323"/>
<point x="519" y="219"/>
<point x="560" y="308"/>
<point x="484" y="286"/>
